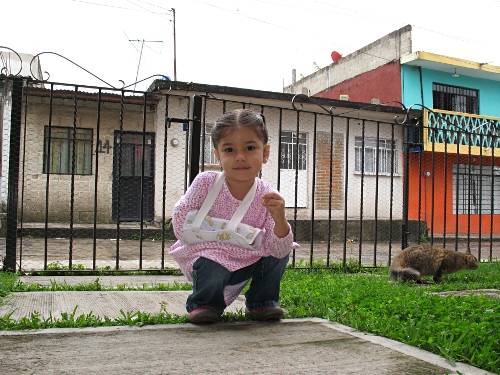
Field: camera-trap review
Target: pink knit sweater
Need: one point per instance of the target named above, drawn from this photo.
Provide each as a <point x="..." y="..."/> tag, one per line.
<point x="230" y="256"/>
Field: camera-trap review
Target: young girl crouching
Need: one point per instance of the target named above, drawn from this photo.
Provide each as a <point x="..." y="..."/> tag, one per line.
<point x="231" y="226"/>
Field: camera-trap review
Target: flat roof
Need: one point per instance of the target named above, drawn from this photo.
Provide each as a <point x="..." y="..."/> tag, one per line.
<point x="448" y="64"/>
<point x="257" y="97"/>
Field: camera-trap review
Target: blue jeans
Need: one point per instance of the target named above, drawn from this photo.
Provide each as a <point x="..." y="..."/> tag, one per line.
<point x="210" y="279"/>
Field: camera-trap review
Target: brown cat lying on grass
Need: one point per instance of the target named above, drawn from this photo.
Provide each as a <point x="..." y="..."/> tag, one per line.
<point x="429" y="260"/>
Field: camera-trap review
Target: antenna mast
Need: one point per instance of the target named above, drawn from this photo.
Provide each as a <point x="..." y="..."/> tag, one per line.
<point x="140" y="54"/>
<point x="175" y="59"/>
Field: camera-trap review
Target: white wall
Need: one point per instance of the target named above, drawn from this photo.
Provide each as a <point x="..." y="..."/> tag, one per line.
<point x="6" y="109"/>
<point x="23" y="67"/>
<point x="176" y="166"/>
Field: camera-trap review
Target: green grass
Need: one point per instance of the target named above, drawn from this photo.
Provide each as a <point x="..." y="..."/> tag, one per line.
<point x="465" y="329"/>
<point x="96" y="285"/>
<point x="7" y="282"/>
<point x="77" y="269"/>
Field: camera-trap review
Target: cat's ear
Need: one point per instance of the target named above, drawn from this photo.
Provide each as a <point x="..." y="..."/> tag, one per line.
<point x="467" y="251"/>
<point x="471" y="258"/>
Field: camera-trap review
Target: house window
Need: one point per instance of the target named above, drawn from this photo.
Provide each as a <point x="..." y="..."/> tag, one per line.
<point x="61" y="143"/>
<point x="455" y="99"/>
<point x="386" y="153"/>
<point x="476" y="186"/>
<point x="293" y="153"/>
<point x="208" y="147"/>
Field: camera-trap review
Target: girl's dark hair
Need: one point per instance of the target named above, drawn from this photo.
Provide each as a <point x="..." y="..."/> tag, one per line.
<point x="240" y="118"/>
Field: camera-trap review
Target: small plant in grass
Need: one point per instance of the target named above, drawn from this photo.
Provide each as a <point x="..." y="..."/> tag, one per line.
<point x="7" y="281"/>
<point x="72" y="320"/>
<point x="57" y="266"/>
<point x="350" y="265"/>
<point x="95" y="285"/>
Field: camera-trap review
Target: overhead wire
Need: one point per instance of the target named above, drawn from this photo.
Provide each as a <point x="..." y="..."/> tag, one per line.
<point x="121" y="7"/>
<point x="284" y="28"/>
<point x="365" y="15"/>
<point x="287" y="5"/>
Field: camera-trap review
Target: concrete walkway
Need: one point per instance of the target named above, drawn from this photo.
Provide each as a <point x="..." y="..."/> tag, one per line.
<point x="292" y="346"/>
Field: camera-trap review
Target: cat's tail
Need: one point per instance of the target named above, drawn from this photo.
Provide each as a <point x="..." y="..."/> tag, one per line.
<point x="404" y="274"/>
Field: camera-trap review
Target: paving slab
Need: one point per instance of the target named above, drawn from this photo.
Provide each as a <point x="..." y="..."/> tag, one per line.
<point x="292" y="346"/>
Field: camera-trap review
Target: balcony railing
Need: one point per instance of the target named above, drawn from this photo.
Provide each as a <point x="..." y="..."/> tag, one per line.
<point x="444" y="131"/>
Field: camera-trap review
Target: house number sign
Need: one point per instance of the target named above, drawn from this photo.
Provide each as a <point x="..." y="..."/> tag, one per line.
<point x="103" y="147"/>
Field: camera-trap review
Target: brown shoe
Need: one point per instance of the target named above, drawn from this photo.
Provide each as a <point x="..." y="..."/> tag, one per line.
<point x="203" y="315"/>
<point x="266" y="313"/>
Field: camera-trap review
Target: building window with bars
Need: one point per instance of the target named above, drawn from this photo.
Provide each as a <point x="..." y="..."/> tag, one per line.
<point x="61" y="141"/>
<point x="475" y="188"/>
<point x="208" y="148"/>
<point x="293" y="153"/>
<point x="455" y="99"/>
<point x="382" y="151"/>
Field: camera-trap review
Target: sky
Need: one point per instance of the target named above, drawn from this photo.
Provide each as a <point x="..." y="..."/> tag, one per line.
<point x="251" y="44"/>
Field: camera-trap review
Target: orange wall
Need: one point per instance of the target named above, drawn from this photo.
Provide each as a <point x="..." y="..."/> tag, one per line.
<point x="443" y="211"/>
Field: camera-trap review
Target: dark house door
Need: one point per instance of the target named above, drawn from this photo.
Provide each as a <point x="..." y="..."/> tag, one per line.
<point x="129" y="181"/>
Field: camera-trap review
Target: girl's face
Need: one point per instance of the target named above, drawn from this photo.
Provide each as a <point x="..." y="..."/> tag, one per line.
<point x="241" y="154"/>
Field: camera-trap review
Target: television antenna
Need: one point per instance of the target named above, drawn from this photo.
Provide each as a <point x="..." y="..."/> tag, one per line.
<point x="142" y="41"/>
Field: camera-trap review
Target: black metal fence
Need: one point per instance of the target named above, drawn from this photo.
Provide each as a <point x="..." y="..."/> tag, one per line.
<point x="90" y="176"/>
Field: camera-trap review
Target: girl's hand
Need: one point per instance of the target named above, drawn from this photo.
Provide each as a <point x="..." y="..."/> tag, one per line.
<point x="275" y="204"/>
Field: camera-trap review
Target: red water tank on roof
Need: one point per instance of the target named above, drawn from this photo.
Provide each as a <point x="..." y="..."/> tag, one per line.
<point x="336" y="56"/>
